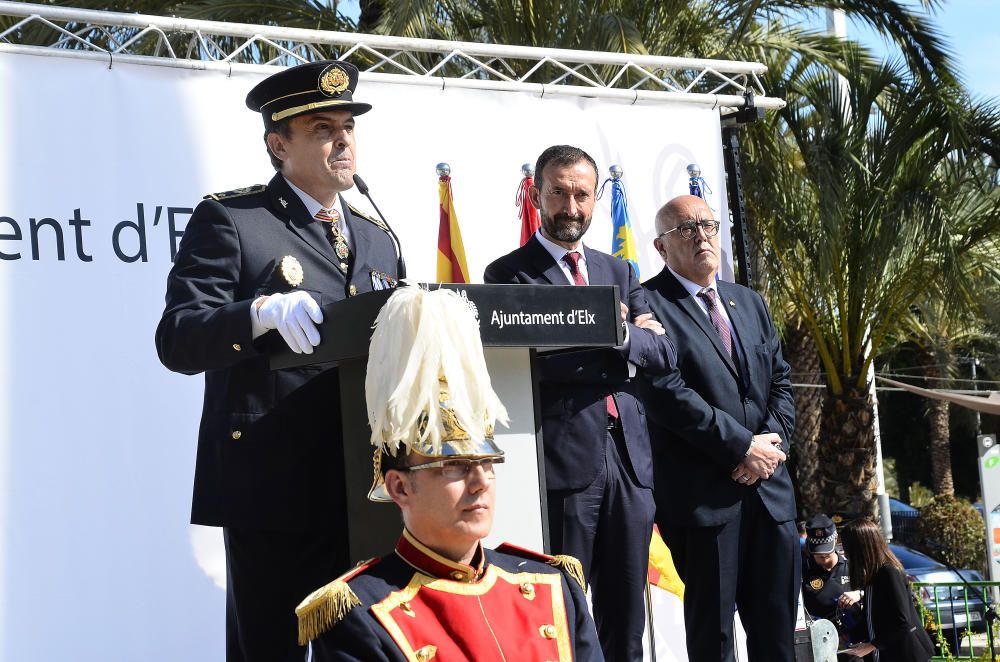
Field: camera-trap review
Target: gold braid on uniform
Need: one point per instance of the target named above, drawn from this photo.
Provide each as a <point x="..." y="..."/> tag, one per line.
<point x="324" y="608"/>
<point x="571" y="566"/>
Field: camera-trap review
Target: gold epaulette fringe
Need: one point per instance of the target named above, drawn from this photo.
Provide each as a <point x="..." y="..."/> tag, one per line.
<point x="324" y="608"/>
<point x="571" y="566"/>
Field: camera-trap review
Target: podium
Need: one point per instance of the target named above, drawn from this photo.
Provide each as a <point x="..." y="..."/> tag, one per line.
<point x="515" y="322"/>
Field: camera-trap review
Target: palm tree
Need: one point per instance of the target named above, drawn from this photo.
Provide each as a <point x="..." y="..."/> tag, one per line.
<point x="800" y="352"/>
<point x="950" y="319"/>
<point x="938" y="333"/>
<point x="852" y="206"/>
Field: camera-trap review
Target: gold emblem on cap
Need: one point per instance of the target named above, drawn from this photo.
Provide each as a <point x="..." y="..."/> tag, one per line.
<point x="816" y="584"/>
<point x="291" y="271"/>
<point x="333" y="80"/>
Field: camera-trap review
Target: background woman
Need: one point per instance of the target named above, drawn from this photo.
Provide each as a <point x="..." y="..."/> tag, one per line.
<point x="895" y="629"/>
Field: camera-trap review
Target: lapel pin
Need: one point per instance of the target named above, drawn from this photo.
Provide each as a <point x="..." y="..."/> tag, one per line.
<point x="732" y="303"/>
<point x="284" y="203"/>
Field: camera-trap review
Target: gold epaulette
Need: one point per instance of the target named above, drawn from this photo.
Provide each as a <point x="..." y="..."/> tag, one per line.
<point x="566" y="563"/>
<point x="375" y="221"/>
<point x="326" y="607"/>
<point x="571" y="566"/>
<point x="237" y="192"/>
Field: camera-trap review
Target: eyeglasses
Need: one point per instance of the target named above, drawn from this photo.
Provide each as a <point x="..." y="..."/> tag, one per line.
<point x="688" y="229"/>
<point x="458" y="469"/>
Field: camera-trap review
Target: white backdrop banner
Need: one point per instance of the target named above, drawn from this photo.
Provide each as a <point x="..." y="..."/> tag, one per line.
<point x="100" y="172"/>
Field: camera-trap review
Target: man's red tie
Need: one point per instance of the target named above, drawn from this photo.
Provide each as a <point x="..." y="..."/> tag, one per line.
<point x="572" y="258"/>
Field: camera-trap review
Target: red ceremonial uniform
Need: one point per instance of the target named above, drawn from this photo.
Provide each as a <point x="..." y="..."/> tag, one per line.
<point x="416" y="605"/>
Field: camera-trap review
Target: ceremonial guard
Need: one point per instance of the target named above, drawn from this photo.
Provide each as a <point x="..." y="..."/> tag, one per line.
<point x="441" y="594"/>
<point x="253" y="270"/>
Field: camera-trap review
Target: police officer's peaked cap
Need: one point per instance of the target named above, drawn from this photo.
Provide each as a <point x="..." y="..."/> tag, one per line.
<point x="821" y="534"/>
<point x="307" y="88"/>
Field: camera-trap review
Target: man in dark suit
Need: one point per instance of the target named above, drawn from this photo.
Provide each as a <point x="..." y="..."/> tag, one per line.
<point x="720" y="425"/>
<point x="597" y="454"/>
<point x="254" y="261"/>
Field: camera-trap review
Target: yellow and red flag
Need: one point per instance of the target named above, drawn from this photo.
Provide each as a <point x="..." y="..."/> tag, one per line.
<point x="662" y="572"/>
<point x="451" y="264"/>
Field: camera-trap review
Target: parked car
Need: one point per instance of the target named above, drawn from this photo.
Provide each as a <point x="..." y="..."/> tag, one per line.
<point x="948" y="601"/>
<point x="904" y="518"/>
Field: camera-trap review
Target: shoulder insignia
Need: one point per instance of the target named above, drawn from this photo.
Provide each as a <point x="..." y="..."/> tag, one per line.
<point x="236" y="193"/>
<point x="564" y="562"/>
<point x="326" y="607"/>
<point x="374" y="221"/>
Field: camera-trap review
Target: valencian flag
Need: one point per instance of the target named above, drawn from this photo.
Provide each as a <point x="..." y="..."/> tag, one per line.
<point x="451" y="263"/>
<point x="527" y="211"/>
<point x="622" y="239"/>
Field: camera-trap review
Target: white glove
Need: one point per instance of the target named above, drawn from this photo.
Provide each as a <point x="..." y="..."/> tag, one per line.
<point x="295" y="316"/>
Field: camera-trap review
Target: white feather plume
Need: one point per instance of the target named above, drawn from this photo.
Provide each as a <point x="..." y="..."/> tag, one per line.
<point x="421" y="336"/>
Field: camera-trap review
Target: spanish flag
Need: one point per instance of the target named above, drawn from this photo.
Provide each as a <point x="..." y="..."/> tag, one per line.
<point x="662" y="572"/>
<point x="451" y="264"/>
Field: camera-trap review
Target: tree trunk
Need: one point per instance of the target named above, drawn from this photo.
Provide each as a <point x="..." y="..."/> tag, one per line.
<point x="940" y="437"/>
<point x="847" y="454"/>
<point x="801" y="354"/>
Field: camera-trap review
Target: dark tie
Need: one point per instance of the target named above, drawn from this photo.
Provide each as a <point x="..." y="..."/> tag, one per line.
<point x="573" y="260"/>
<point x="718" y="321"/>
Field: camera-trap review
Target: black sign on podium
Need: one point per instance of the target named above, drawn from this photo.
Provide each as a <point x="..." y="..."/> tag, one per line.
<point x="537" y="318"/>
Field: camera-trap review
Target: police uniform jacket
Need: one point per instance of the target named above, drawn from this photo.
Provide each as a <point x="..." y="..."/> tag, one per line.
<point x="822" y="588"/>
<point x="269" y="440"/>
<point x="415" y="605"/>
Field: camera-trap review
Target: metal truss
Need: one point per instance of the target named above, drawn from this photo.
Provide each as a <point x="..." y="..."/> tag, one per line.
<point x="118" y="37"/>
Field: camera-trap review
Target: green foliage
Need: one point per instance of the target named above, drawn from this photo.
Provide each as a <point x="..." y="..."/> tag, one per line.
<point x="953" y="529"/>
<point x="891" y="478"/>
<point x="920" y="496"/>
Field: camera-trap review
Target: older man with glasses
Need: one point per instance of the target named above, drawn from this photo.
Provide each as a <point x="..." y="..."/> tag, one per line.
<point x="441" y="594"/>
<point x="720" y="426"/>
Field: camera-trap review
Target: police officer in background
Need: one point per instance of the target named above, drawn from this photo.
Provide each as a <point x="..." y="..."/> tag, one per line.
<point x="253" y="268"/>
<point x="826" y="583"/>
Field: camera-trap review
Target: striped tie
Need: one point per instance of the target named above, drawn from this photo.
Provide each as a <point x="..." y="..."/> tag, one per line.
<point x="718" y="321"/>
<point x="335" y="237"/>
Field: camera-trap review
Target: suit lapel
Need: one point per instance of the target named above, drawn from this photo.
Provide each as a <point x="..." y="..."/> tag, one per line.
<point x="737" y="317"/>
<point x="288" y="205"/>
<point x="697" y="313"/>
<point x="598" y="271"/>
<point x="543" y="262"/>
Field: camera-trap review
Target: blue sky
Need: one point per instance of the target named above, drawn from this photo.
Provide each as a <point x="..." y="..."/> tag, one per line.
<point x="971" y="28"/>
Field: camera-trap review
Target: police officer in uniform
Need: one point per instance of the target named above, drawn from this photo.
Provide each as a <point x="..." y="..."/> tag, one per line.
<point x="441" y="594"/>
<point x="826" y="583"/>
<point x="254" y="267"/>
